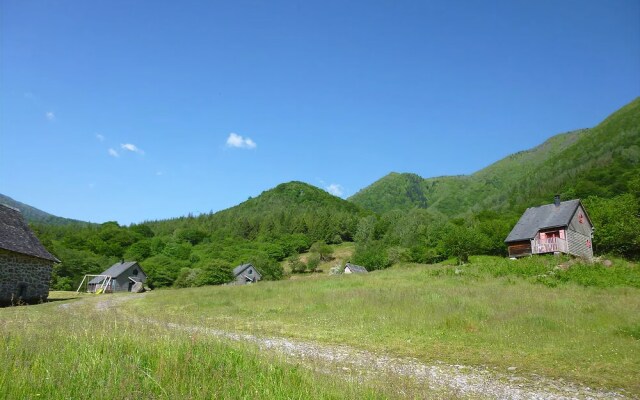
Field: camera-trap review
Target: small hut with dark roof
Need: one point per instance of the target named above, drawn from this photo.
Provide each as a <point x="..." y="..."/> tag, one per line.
<point x="560" y="227"/>
<point x="354" y="269"/>
<point x="25" y="264"/>
<point x="120" y="277"/>
<point x="245" y="273"/>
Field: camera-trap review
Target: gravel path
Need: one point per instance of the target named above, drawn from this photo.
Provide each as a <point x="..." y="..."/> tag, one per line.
<point x="452" y="380"/>
<point x="462" y="381"/>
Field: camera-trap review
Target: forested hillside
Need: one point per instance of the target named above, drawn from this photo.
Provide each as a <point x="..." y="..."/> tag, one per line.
<point x="425" y="220"/>
<point x="201" y="250"/>
<point x="601" y="161"/>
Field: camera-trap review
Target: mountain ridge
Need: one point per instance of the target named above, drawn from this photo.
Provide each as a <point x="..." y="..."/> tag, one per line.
<point x="35" y="215"/>
<point x="572" y="163"/>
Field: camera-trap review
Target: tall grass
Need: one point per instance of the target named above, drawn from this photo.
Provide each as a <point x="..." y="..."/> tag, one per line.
<point x="474" y="314"/>
<point x="49" y="353"/>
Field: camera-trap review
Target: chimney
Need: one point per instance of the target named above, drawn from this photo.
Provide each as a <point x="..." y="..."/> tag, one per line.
<point x="556" y="200"/>
<point x="122" y="261"/>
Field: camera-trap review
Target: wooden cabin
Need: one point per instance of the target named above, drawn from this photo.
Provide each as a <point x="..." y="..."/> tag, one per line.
<point x="120" y="277"/>
<point x="559" y="227"/>
<point x="245" y="273"/>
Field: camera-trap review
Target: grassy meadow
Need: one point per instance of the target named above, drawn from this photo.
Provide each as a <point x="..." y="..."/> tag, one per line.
<point x="79" y="353"/>
<point x="582" y="324"/>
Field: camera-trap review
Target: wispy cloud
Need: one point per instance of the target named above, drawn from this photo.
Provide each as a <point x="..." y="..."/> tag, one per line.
<point x="99" y="137"/>
<point x="50" y="115"/>
<point x="335" y="189"/>
<point x="132" y="147"/>
<point x="113" y="153"/>
<point x="235" y="140"/>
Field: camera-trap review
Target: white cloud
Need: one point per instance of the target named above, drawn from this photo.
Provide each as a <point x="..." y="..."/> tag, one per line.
<point x="159" y="173"/>
<point x="235" y="140"/>
<point x="113" y="153"/>
<point x="100" y="137"/>
<point x="131" y="147"/>
<point x="50" y="115"/>
<point x="335" y="189"/>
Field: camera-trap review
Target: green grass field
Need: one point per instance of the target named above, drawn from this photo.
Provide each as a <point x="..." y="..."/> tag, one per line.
<point x="81" y="353"/>
<point x="582" y="325"/>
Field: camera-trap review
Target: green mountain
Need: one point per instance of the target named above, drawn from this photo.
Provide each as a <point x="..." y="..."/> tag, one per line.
<point x="289" y="208"/>
<point x="599" y="161"/>
<point x="34" y="215"/>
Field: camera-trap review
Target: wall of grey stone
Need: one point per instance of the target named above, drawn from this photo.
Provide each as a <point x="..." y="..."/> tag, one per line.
<point x="578" y="244"/>
<point x="23" y="277"/>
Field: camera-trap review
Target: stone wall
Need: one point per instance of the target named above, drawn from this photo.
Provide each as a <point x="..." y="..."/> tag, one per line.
<point x="23" y="278"/>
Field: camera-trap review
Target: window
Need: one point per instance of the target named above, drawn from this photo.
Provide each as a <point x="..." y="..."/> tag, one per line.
<point x="135" y="272"/>
<point x="250" y="271"/>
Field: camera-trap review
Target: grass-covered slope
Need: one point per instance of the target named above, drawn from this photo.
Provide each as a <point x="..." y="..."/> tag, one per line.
<point x="580" y="324"/>
<point x="600" y="161"/>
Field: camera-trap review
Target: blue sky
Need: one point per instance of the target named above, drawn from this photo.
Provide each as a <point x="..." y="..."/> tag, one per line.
<point x="128" y="111"/>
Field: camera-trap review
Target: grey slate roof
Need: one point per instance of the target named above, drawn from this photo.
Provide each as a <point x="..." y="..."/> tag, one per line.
<point x="240" y="269"/>
<point x="16" y="236"/>
<point x="542" y="217"/>
<point x="355" y="268"/>
<point x="114" y="271"/>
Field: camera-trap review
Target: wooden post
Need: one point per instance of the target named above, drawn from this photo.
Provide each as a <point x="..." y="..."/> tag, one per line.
<point x="78" y="291"/>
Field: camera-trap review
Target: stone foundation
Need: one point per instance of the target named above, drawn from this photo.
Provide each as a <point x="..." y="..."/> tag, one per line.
<point x="23" y="279"/>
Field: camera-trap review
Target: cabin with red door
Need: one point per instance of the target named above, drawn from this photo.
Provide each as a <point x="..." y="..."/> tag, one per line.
<point x="560" y="227"/>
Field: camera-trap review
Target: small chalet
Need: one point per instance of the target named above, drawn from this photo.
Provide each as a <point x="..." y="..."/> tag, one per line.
<point x="120" y="277"/>
<point x="246" y="273"/>
<point x="354" y="269"/>
<point x="560" y="227"/>
<point x="25" y="265"/>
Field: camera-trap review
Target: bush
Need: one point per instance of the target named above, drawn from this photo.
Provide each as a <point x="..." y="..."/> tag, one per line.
<point x="323" y="251"/>
<point x="373" y="256"/>
<point x="269" y="268"/>
<point x="313" y="261"/>
<point x="297" y="266"/>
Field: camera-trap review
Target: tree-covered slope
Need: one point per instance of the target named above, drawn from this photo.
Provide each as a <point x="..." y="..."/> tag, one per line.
<point x="289" y="208"/>
<point x="32" y="214"/>
<point x="199" y="250"/>
<point x="599" y="161"/>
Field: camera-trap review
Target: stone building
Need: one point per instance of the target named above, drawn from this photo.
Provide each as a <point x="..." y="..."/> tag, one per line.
<point x="25" y="265"/>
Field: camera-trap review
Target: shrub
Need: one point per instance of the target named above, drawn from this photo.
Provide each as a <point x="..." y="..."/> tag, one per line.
<point x="313" y="262"/>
